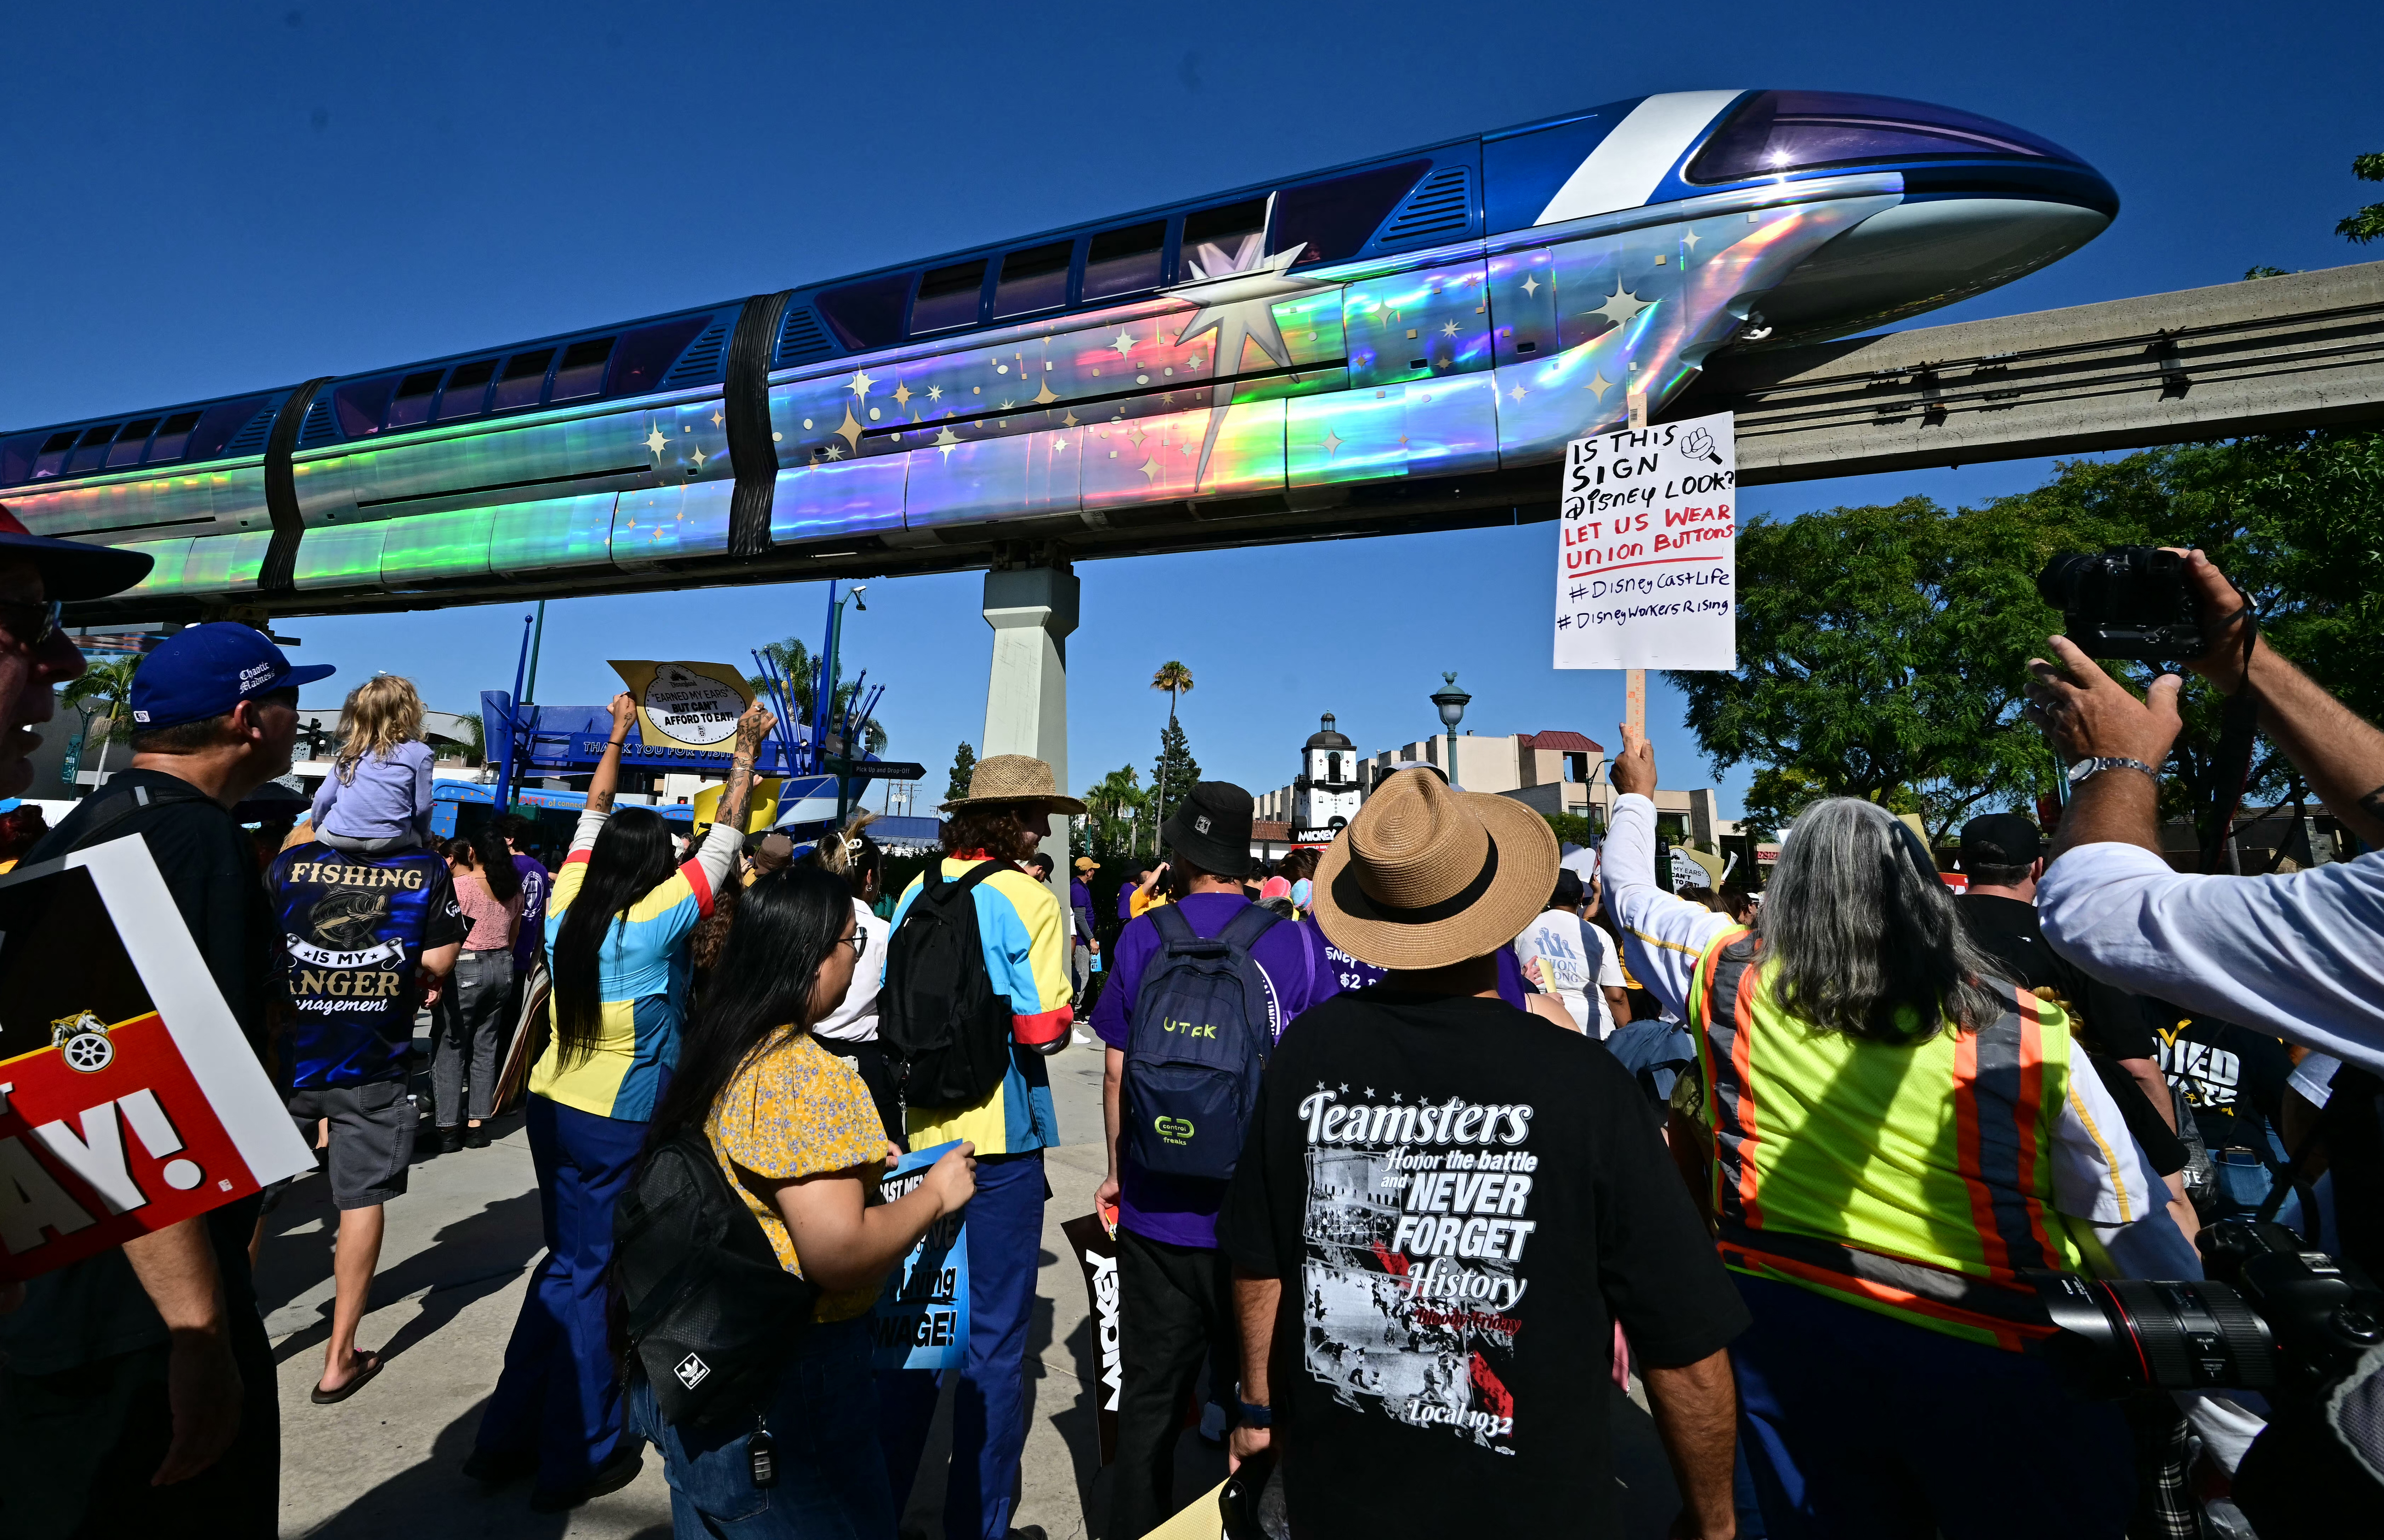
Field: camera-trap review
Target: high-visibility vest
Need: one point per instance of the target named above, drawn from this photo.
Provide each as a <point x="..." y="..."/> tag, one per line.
<point x="1913" y="1179"/>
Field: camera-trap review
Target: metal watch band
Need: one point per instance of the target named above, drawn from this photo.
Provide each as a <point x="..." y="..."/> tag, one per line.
<point x="2085" y="769"/>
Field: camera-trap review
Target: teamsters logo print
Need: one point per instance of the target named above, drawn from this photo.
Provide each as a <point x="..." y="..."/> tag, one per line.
<point x="1417" y="1226"/>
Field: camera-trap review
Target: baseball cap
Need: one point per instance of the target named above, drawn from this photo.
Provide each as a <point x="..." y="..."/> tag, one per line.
<point x="2000" y="839"/>
<point x="1086" y="863"/>
<point x="71" y="569"/>
<point x="203" y="671"/>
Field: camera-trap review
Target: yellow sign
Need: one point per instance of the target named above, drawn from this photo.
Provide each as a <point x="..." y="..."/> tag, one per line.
<point x="685" y="706"/>
<point x="760" y="812"/>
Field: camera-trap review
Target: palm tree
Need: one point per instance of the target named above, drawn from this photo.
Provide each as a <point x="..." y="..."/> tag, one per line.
<point x="1110" y="800"/>
<point x="1174" y="678"/>
<point x="799" y="665"/>
<point x="108" y="685"/>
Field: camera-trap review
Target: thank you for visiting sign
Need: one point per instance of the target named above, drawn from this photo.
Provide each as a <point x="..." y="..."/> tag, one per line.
<point x="1646" y="554"/>
<point x="685" y="706"/>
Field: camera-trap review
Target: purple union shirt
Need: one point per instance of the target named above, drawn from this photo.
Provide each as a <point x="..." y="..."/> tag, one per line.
<point x="1177" y="1210"/>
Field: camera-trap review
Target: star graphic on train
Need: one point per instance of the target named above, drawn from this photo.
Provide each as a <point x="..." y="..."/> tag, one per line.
<point x="1238" y="307"/>
<point x="1619" y="306"/>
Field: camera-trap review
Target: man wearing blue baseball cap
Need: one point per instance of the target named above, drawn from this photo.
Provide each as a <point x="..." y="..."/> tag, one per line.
<point x="37" y="576"/>
<point x="139" y="1391"/>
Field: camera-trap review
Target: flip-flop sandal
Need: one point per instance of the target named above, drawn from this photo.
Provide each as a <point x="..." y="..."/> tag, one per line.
<point x="368" y="1364"/>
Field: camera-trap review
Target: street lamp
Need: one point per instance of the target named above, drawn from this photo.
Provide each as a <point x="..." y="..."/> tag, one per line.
<point x="1451" y="701"/>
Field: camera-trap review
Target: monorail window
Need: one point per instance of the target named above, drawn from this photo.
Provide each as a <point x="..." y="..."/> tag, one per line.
<point x="129" y="443"/>
<point x="1224" y="240"/>
<point x="53" y="458"/>
<point x="867" y="313"/>
<point x="1778" y="131"/>
<point x="582" y="372"/>
<point x="1332" y="219"/>
<point x="92" y="452"/>
<point x="360" y="405"/>
<point x="1121" y="261"/>
<point x="468" y="390"/>
<point x="412" y="407"/>
<point x="647" y="353"/>
<point x="524" y="379"/>
<point x="1036" y="278"/>
<point x="173" y="436"/>
<point x="948" y="297"/>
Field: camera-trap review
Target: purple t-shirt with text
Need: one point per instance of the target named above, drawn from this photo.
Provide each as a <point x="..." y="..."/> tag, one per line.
<point x="1178" y="1210"/>
<point x="534" y="884"/>
<point x="1351" y="974"/>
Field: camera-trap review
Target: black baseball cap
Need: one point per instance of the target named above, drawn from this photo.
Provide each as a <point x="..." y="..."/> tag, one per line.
<point x="1569" y="890"/>
<point x="1211" y="829"/>
<point x="71" y="569"/>
<point x="2000" y="839"/>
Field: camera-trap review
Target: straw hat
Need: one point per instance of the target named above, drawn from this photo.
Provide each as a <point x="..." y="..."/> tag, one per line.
<point x="1426" y="876"/>
<point x="1015" y="778"/>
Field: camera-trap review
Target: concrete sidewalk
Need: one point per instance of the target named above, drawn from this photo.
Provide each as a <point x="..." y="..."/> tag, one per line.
<point x="460" y="1245"/>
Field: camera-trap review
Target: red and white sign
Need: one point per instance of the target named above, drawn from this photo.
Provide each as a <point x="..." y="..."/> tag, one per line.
<point x="130" y="1100"/>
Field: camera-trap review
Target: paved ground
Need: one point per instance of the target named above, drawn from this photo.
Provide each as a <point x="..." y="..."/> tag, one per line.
<point x="459" y="1246"/>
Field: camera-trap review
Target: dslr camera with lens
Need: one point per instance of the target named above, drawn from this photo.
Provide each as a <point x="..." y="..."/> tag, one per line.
<point x="2128" y="601"/>
<point x="2294" y="1324"/>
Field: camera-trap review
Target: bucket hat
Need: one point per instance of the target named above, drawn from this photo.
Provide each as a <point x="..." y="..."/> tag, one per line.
<point x="1425" y="877"/>
<point x="1211" y="829"/>
<point x="1015" y="778"/>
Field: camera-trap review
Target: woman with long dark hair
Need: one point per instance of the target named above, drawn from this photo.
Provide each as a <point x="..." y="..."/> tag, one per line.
<point x="795" y="1134"/>
<point x="617" y="924"/>
<point x="467" y="1021"/>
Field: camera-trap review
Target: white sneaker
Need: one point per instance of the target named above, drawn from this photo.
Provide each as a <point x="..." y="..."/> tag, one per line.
<point x="1084" y="1039"/>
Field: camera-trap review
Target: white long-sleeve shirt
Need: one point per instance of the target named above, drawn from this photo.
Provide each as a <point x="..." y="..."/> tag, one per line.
<point x="2300" y="955"/>
<point x="2099" y="1175"/>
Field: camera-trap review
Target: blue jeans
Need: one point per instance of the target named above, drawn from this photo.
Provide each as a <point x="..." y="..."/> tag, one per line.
<point x="822" y="1421"/>
<point x="1858" y="1426"/>
<point x="1005" y="1236"/>
<point x="560" y="1395"/>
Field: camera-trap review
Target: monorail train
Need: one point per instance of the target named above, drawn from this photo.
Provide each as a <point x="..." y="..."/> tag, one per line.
<point x="1402" y="344"/>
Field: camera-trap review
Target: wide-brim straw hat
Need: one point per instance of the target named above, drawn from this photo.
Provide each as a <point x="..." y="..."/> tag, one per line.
<point x="1015" y="778"/>
<point x="1425" y="877"/>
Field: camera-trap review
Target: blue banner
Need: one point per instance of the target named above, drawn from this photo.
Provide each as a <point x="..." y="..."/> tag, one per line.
<point x="921" y="1319"/>
<point x="769" y="759"/>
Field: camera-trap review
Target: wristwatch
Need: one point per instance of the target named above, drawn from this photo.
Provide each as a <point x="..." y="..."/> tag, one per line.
<point x="2085" y="768"/>
<point x="1253" y="1415"/>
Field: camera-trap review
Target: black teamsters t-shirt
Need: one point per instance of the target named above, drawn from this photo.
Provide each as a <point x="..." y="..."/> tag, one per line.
<point x="2233" y="1077"/>
<point x="1454" y="1194"/>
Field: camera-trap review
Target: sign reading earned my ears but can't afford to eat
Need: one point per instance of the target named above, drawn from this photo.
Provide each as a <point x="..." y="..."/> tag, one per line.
<point x="1646" y="555"/>
<point x="685" y="706"/>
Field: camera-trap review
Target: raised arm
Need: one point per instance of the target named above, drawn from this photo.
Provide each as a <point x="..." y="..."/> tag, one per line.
<point x="728" y="835"/>
<point x="1662" y="934"/>
<point x="607" y="778"/>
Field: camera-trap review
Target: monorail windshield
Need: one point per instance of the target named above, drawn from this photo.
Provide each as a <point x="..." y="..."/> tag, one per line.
<point x="1778" y="132"/>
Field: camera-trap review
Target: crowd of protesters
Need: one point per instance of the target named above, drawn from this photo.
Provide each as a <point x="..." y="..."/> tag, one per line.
<point x="1419" y="1148"/>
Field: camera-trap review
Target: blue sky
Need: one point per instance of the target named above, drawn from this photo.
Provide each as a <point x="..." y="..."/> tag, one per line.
<point x="210" y="198"/>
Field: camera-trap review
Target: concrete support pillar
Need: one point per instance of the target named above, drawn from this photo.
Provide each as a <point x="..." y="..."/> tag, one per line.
<point x="1032" y="610"/>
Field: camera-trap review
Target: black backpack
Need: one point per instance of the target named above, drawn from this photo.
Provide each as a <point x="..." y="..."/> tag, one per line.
<point x="938" y="1016"/>
<point x="710" y="1314"/>
<point x="1197" y="1047"/>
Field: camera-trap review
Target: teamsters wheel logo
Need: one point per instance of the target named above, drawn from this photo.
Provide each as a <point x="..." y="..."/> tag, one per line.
<point x="81" y="1041"/>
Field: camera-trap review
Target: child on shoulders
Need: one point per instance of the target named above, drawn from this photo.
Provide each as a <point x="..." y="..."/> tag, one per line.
<point x="377" y="796"/>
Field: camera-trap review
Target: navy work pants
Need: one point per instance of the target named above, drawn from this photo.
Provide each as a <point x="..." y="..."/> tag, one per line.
<point x="559" y="1395"/>
<point x="1859" y="1427"/>
<point x="1005" y="1237"/>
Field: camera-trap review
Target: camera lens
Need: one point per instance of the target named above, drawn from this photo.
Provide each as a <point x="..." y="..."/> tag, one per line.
<point x="2057" y="584"/>
<point x="2122" y="1333"/>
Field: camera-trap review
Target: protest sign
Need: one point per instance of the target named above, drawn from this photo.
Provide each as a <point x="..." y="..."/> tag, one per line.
<point x="1095" y="1246"/>
<point x="129" y="1100"/>
<point x="921" y="1320"/>
<point x="1646" y="554"/>
<point x="685" y="706"/>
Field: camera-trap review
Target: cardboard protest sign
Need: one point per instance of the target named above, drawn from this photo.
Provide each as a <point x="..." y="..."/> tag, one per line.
<point x="1647" y="553"/>
<point x="1094" y="1249"/>
<point x="921" y="1320"/>
<point x="129" y="1099"/>
<point x="685" y="706"/>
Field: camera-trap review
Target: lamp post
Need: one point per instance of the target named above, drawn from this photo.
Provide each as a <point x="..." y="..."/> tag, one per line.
<point x="823" y="709"/>
<point x="1451" y="701"/>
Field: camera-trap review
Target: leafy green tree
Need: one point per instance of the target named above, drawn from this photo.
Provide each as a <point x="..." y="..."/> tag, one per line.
<point x="1114" y="809"/>
<point x="2368" y="223"/>
<point x="1171" y="775"/>
<point x="964" y="766"/>
<point x="1882" y="651"/>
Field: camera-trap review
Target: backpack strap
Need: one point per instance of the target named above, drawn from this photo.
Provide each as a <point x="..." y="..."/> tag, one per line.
<point x="124" y="804"/>
<point x="1172" y="928"/>
<point x="1243" y="931"/>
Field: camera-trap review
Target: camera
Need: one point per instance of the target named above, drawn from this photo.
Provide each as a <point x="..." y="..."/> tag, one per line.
<point x="2130" y="601"/>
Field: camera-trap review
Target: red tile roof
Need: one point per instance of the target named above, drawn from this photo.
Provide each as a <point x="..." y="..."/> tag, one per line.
<point x="1560" y="742"/>
<point x="1262" y="829"/>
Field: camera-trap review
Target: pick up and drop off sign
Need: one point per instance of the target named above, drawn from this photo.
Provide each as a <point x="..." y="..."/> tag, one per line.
<point x="1647" y="552"/>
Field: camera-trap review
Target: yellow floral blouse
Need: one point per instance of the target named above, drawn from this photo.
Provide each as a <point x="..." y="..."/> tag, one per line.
<point x="796" y="1109"/>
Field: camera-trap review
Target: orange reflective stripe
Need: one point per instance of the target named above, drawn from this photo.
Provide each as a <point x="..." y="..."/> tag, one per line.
<point x="2030" y="1110"/>
<point x="1966" y="1133"/>
<point x="2011" y="1336"/>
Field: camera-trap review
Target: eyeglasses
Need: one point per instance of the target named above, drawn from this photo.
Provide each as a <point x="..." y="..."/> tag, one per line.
<point x="30" y="622"/>
<point x="858" y="941"/>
